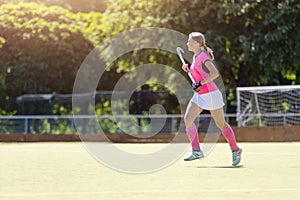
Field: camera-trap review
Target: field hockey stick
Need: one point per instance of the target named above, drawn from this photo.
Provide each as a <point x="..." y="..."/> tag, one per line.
<point x="179" y="52"/>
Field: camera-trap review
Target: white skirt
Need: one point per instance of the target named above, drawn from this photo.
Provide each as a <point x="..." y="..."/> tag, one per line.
<point x="209" y="101"/>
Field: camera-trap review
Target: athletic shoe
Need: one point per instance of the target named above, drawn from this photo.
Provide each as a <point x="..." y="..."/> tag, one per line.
<point x="236" y="157"/>
<point x="195" y="155"/>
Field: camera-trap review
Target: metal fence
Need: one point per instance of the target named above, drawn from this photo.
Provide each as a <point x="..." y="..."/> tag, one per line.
<point x="40" y="124"/>
<point x="52" y="124"/>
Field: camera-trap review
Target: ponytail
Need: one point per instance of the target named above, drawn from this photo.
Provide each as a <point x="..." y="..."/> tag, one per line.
<point x="209" y="51"/>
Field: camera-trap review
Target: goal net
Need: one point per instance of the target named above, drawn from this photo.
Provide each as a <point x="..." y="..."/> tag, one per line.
<point x="268" y="105"/>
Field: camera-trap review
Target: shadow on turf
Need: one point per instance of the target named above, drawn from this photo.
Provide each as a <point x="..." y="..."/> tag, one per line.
<point x="222" y="167"/>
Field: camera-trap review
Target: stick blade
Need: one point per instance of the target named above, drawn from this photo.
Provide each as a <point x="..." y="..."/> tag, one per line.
<point x="179" y="50"/>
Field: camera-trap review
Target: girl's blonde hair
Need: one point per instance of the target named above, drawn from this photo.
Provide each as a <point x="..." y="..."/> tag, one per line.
<point x="199" y="37"/>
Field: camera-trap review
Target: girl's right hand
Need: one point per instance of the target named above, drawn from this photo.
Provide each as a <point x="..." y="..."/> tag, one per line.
<point x="184" y="67"/>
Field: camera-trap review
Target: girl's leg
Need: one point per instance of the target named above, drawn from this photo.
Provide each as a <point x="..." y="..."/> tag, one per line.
<point x="192" y="112"/>
<point x="227" y="131"/>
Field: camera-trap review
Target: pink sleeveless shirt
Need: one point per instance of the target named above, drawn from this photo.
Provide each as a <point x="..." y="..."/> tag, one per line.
<point x="199" y="74"/>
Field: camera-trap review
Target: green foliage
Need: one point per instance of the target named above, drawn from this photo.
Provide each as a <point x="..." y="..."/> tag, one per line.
<point x="74" y="6"/>
<point x="42" y="46"/>
<point x="254" y="41"/>
<point x="262" y="42"/>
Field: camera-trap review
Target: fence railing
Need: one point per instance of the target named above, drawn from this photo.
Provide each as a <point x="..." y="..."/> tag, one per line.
<point x="112" y="123"/>
<point x="109" y="123"/>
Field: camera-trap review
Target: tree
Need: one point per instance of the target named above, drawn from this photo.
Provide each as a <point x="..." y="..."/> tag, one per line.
<point x="254" y="41"/>
<point x="42" y="48"/>
<point x="260" y="44"/>
<point x="74" y="6"/>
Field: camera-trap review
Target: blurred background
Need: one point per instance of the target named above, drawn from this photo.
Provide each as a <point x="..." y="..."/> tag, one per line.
<point x="44" y="42"/>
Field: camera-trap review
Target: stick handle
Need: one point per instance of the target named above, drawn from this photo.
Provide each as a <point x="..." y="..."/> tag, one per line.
<point x="179" y="52"/>
<point x="181" y="58"/>
<point x="190" y="75"/>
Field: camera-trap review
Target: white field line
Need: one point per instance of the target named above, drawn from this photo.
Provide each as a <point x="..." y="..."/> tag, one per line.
<point x="273" y="154"/>
<point x="83" y="151"/>
<point x="266" y="153"/>
<point x="149" y="192"/>
<point x="41" y="150"/>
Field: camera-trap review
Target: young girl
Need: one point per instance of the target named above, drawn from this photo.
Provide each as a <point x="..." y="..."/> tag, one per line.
<point x="207" y="96"/>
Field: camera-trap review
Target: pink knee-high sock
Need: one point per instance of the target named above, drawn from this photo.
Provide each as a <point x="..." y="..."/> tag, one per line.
<point x="192" y="134"/>
<point x="229" y="136"/>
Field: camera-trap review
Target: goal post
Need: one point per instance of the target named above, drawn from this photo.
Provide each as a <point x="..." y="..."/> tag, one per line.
<point x="268" y="105"/>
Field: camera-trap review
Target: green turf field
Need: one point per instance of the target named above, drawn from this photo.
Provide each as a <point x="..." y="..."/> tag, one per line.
<point x="64" y="171"/>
